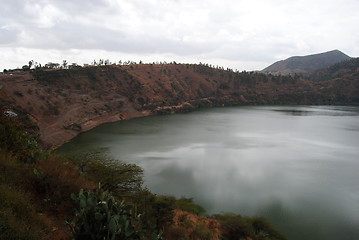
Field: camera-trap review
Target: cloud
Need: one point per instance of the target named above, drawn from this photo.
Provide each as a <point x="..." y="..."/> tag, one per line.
<point x="8" y="35"/>
<point x="230" y="31"/>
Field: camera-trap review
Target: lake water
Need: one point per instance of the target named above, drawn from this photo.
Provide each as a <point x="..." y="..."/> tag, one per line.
<point x="296" y="165"/>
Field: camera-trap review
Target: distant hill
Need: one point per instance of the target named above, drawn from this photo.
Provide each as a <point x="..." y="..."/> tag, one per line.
<point x="304" y="64"/>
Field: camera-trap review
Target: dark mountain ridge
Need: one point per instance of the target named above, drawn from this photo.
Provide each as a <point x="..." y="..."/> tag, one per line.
<point x="339" y="70"/>
<point x="304" y="64"/>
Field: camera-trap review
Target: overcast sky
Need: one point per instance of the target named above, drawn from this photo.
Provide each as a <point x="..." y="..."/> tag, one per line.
<point x="240" y="34"/>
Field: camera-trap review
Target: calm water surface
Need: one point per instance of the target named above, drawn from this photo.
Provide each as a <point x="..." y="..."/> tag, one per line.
<point x="296" y="165"/>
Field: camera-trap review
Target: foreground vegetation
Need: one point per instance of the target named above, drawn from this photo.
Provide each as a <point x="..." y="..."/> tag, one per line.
<point x="91" y="196"/>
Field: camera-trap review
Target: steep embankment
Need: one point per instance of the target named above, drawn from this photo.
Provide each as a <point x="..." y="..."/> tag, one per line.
<point x="66" y="102"/>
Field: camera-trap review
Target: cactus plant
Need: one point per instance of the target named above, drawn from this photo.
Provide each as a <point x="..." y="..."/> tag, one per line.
<point x="100" y="216"/>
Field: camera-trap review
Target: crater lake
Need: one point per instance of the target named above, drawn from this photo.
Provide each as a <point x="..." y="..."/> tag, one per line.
<point x="298" y="166"/>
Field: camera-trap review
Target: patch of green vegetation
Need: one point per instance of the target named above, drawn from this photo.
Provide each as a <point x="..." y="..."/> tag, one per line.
<point x="120" y="178"/>
<point x="187" y="204"/>
<point x="15" y="139"/>
<point x="238" y="227"/>
<point x="99" y="215"/>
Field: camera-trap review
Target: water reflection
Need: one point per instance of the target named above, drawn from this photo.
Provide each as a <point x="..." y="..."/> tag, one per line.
<point x="318" y="110"/>
<point x="294" y="112"/>
<point x="295" y="165"/>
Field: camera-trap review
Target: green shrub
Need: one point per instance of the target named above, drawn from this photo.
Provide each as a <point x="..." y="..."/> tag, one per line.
<point x="186" y="204"/>
<point x="163" y="209"/>
<point x="118" y="177"/>
<point x="234" y="226"/>
<point x="264" y="230"/>
<point x="15" y="139"/>
<point x="99" y="216"/>
<point x="113" y="175"/>
<point x="158" y="210"/>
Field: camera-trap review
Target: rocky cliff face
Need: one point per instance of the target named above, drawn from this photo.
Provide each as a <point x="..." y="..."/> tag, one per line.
<point x="64" y="103"/>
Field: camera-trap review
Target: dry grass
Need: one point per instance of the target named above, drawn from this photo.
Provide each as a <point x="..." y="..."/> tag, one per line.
<point x="190" y="226"/>
<point x="35" y="198"/>
<point x="63" y="176"/>
<point x="17" y="211"/>
<point x="18" y="218"/>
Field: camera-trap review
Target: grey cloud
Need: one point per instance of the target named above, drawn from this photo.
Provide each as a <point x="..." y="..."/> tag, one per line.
<point x="230" y="30"/>
<point x="27" y="13"/>
<point x="8" y="36"/>
<point x="72" y="33"/>
<point x="80" y="36"/>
